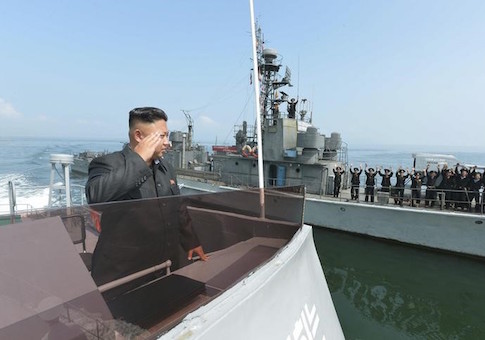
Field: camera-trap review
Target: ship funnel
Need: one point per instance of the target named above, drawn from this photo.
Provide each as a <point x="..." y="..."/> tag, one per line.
<point x="334" y="142"/>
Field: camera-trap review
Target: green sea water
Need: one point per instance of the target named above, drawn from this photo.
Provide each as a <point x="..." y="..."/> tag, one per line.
<point x="385" y="290"/>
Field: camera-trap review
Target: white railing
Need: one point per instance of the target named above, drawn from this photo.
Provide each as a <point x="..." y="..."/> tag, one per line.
<point x="14" y="207"/>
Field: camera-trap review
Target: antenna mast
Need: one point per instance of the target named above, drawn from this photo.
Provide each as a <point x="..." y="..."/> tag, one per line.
<point x="190" y="126"/>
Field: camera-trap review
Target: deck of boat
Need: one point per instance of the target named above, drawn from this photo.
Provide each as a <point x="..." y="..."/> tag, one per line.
<point x="223" y="269"/>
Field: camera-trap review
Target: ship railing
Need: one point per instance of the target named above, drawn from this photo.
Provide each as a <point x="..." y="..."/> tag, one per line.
<point x="78" y="196"/>
<point x="340" y="155"/>
<point x="7" y="217"/>
<point x="437" y="198"/>
<point x="440" y="198"/>
<point x="39" y="193"/>
<point x="205" y="175"/>
<point x="321" y="188"/>
<point x="19" y="207"/>
<point x="343" y="157"/>
<point x="248" y="181"/>
<point x="241" y="181"/>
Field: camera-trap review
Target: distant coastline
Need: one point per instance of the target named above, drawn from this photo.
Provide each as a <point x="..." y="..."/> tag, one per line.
<point x="70" y="139"/>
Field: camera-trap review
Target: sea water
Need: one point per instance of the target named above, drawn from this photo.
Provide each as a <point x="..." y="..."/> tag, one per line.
<point x="25" y="162"/>
<point x="384" y="290"/>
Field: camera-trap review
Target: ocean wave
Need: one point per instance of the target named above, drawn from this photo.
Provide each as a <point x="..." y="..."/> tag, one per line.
<point x="27" y="198"/>
<point x="31" y="193"/>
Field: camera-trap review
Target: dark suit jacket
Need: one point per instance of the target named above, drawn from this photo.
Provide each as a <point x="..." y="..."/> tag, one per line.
<point x="137" y="234"/>
<point x="124" y="175"/>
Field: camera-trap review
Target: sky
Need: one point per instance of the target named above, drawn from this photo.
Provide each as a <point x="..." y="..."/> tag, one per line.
<point x="377" y="72"/>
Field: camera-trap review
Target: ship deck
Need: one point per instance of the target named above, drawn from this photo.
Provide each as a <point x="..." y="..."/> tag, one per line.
<point x="386" y="199"/>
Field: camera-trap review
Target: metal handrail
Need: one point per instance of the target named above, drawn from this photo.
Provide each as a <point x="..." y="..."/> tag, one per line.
<point x="134" y="276"/>
<point x="15" y="207"/>
<point x="443" y="202"/>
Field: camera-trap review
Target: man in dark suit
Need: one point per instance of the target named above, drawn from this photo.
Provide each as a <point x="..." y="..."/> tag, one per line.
<point x="337" y="181"/>
<point x="132" y="237"/>
<point x="292" y="108"/>
<point x="355" y="181"/>
<point x="370" y="183"/>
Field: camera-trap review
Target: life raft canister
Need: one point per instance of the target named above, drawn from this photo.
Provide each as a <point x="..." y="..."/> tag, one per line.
<point x="254" y="151"/>
<point x="246" y="150"/>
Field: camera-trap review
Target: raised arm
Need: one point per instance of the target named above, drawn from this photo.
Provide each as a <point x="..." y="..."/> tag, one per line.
<point x="113" y="176"/>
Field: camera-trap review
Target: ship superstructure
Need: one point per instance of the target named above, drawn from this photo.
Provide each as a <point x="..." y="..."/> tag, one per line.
<point x="294" y="150"/>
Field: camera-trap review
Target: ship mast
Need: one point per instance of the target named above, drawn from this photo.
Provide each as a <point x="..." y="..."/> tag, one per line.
<point x="268" y="73"/>
<point x="258" y="110"/>
<point x="190" y="127"/>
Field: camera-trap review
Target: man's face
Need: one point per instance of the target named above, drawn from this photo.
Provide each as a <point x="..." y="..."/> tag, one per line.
<point x="160" y="127"/>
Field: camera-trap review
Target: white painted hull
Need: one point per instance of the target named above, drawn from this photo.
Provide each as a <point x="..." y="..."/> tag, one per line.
<point x="450" y="231"/>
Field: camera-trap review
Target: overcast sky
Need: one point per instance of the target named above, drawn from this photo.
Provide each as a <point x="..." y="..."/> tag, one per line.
<point x="379" y="72"/>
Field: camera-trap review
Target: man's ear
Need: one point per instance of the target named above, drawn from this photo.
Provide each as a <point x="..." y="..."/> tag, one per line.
<point x="138" y="135"/>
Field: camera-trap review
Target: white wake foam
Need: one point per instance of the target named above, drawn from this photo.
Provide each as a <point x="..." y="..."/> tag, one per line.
<point x="28" y="196"/>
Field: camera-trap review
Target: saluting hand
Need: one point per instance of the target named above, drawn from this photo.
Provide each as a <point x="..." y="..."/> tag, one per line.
<point x="148" y="146"/>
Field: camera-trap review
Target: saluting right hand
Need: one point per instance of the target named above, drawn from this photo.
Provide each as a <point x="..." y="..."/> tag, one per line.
<point x="148" y="146"/>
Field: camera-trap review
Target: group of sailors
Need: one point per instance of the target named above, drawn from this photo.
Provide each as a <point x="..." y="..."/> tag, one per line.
<point x="458" y="187"/>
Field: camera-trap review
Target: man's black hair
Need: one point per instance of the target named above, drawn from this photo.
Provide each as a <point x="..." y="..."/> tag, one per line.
<point x="147" y="115"/>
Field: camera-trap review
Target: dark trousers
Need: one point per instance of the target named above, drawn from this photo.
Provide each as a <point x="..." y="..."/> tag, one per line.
<point x="399" y="194"/>
<point x="336" y="189"/>
<point x="415" y="196"/>
<point x="354" y="191"/>
<point x="462" y="198"/>
<point x="369" y="191"/>
<point x="430" y="197"/>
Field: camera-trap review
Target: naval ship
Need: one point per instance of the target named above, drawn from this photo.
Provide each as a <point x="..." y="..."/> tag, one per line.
<point x="295" y="151"/>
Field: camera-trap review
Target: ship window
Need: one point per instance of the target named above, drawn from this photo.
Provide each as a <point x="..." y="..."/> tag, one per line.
<point x="297" y="170"/>
<point x="237" y="163"/>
